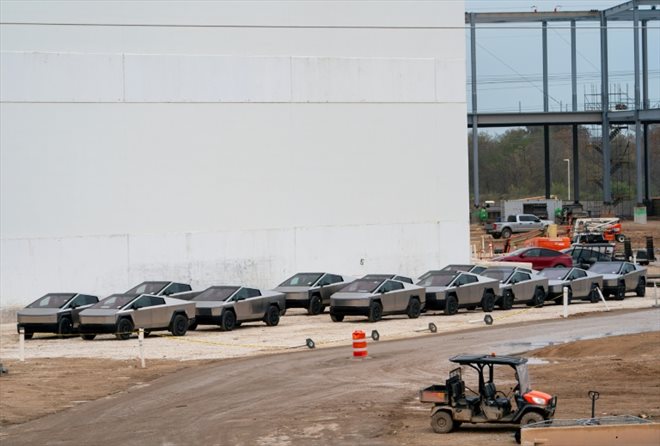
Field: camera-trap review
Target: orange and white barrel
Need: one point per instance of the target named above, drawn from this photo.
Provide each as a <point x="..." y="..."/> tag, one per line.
<point x="359" y="344"/>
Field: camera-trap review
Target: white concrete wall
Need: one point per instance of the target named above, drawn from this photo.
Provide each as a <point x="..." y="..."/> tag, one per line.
<point x="277" y="137"/>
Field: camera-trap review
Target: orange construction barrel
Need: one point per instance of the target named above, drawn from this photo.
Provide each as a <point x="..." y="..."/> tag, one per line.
<point x="359" y="344"/>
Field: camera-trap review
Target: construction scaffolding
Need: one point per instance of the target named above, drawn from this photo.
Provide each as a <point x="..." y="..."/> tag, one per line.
<point x="611" y="108"/>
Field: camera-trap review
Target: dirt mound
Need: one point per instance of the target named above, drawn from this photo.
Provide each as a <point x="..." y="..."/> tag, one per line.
<point x="646" y="344"/>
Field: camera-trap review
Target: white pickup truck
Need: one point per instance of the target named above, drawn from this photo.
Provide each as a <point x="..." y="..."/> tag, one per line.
<point x="516" y="223"/>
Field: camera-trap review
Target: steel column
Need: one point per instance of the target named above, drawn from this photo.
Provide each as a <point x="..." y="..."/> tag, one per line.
<point x="639" y="153"/>
<point x="576" y="152"/>
<point x="573" y="66"/>
<point x="605" y="105"/>
<point x="647" y="167"/>
<point x="546" y="128"/>
<point x="475" y="120"/>
<point x="645" y="67"/>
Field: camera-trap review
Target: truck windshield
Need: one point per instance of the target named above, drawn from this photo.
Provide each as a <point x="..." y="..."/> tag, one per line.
<point x="115" y="301"/>
<point x="606" y="267"/>
<point x="437" y="280"/>
<point x="556" y="273"/>
<point x="216" y="293"/>
<point x="302" y="279"/>
<point x="51" y="301"/>
<point x="362" y="286"/>
<point x="498" y="274"/>
<point x="147" y="288"/>
<point x="523" y="378"/>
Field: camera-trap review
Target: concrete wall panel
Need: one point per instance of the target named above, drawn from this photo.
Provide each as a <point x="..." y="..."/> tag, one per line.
<point x="60" y="77"/>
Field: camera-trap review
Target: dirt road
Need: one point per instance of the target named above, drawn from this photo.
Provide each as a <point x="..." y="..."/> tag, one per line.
<point x="314" y="397"/>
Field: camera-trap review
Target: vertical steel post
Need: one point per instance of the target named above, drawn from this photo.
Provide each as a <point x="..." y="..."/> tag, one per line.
<point x="645" y="106"/>
<point x="639" y="153"/>
<point x="576" y="152"/>
<point x="546" y="128"/>
<point x="605" y="105"/>
<point x="645" y="67"/>
<point x="475" y="128"/>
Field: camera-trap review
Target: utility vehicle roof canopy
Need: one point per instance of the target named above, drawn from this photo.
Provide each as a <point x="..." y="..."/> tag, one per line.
<point x="488" y="359"/>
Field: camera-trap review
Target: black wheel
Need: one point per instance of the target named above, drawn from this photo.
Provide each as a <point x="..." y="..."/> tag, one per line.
<point x="620" y="238"/>
<point x="228" y="322"/>
<point x="531" y="417"/>
<point x="88" y="337"/>
<point x="336" y="317"/>
<point x="147" y="333"/>
<point x="506" y="232"/>
<point x="442" y="422"/>
<point x="538" y="298"/>
<point x="124" y="329"/>
<point x="451" y="304"/>
<point x="64" y="327"/>
<point x="375" y="312"/>
<point x="28" y="335"/>
<point x="315" y="305"/>
<point x="179" y="325"/>
<point x="272" y="317"/>
<point x="507" y="301"/>
<point x="471" y="307"/>
<point x="496" y="236"/>
<point x="620" y="291"/>
<point x="192" y="326"/>
<point x="488" y="301"/>
<point x="414" y="308"/>
<point x="640" y="291"/>
<point x="593" y="294"/>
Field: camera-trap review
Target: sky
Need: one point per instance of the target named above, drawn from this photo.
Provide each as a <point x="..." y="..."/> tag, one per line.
<point x="509" y="58"/>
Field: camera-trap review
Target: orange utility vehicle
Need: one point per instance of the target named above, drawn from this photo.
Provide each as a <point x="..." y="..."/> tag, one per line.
<point x="521" y="405"/>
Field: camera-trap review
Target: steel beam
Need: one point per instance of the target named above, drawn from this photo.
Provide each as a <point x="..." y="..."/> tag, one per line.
<point x="639" y="153"/>
<point x="645" y="67"/>
<point x="544" y="34"/>
<point x="576" y="166"/>
<point x="546" y="160"/>
<point x="574" y="66"/>
<point x="475" y="124"/>
<point x="604" y="91"/>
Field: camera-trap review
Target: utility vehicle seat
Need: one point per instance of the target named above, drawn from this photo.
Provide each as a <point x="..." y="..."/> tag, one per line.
<point x="457" y="387"/>
<point x="489" y="396"/>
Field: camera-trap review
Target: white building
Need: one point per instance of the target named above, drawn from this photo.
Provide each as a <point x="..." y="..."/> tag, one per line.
<point x="228" y="142"/>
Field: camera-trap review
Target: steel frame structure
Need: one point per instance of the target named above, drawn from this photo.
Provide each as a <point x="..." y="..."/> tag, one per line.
<point x="641" y="116"/>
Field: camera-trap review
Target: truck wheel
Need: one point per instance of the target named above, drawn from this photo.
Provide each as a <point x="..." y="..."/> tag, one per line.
<point x="507" y="301"/>
<point x="593" y="294"/>
<point x="64" y="327"/>
<point x="28" y="334"/>
<point x="620" y="238"/>
<point x="414" y="308"/>
<point x="539" y="297"/>
<point x="272" y="316"/>
<point x="88" y="337"/>
<point x="124" y="329"/>
<point x="531" y="417"/>
<point x="193" y="325"/>
<point x="506" y="232"/>
<point x="451" y="305"/>
<point x="336" y="317"/>
<point x="488" y="302"/>
<point x="375" y="312"/>
<point x="620" y="291"/>
<point x="179" y="325"/>
<point x="228" y="321"/>
<point x="496" y="235"/>
<point x="641" y="287"/>
<point x="315" y="305"/>
<point x="442" y="422"/>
